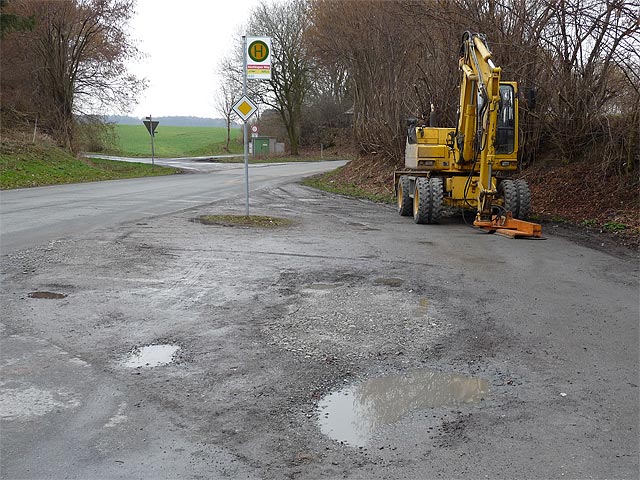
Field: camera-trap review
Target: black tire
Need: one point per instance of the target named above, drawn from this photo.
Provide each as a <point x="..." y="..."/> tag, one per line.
<point x="524" y="199"/>
<point x="427" y="200"/>
<point x="508" y="192"/>
<point x="405" y="207"/>
<point x="435" y="206"/>
<point x="421" y="196"/>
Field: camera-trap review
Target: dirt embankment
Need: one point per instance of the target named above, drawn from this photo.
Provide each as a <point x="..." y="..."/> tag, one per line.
<point x="575" y="200"/>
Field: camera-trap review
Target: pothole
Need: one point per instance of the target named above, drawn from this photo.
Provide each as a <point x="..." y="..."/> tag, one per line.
<point x="353" y="414"/>
<point x="47" y="295"/>
<point x="151" y="356"/>
<point x="323" y="286"/>
<point x="389" y="282"/>
<point x="319" y="288"/>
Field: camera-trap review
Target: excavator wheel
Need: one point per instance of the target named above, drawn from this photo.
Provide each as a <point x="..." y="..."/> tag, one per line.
<point x="524" y="198"/>
<point x="420" y="198"/>
<point x="427" y="200"/>
<point x="508" y="192"/>
<point x="404" y="199"/>
<point x="436" y="199"/>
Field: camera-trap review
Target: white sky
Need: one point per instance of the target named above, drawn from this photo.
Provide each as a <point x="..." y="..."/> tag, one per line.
<point x="184" y="40"/>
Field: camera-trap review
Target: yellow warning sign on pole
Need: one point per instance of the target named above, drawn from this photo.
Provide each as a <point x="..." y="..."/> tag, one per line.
<point x="244" y="108"/>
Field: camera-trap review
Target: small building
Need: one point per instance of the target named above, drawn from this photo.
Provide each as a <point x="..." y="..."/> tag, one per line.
<point x="265" y="146"/>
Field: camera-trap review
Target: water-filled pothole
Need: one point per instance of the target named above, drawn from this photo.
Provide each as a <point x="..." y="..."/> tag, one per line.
<point x="353" y="414"/>
<point x="151" y="356"/>
<point x="47" y="295"/>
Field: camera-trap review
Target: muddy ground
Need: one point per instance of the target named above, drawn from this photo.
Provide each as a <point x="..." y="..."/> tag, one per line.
<point x="269" y="322"/>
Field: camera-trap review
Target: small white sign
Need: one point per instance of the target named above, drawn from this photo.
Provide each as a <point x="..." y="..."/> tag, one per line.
<point x="258" y="58"/>
<point x="244" y="108"/>
<point x="254" y="128"/>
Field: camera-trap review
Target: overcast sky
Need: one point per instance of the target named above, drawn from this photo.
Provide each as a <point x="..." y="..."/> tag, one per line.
<point x="184" y="42"/>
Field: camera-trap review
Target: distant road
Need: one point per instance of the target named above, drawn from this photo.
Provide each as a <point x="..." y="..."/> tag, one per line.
<point x="35" y="216"/>
<point x="200" y="164"/>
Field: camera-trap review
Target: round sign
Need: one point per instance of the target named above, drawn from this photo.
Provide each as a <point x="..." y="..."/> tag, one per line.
<point x="258" y="51"/>
<point x="254" y="128"/>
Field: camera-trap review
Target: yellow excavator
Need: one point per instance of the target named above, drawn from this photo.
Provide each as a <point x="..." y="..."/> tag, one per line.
<point x="470" y="167"/>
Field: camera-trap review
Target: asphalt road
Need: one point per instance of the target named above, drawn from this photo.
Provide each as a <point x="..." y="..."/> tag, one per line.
<point x="198" y="164"/>
<point x="33" y="216"/>
<point x="351" y="344"/>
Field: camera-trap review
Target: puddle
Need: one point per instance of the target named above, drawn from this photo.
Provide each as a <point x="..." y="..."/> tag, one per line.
<point x="47" y="295"/>
<point x="151" y="356"/>
<point x="353" y="414"/>
<point x="389" y="282"/>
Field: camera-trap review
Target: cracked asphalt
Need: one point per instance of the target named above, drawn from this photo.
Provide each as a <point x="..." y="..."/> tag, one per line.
<point x="270" y="321"/>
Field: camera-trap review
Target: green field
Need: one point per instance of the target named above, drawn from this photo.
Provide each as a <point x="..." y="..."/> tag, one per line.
<point x="135" y="141"/>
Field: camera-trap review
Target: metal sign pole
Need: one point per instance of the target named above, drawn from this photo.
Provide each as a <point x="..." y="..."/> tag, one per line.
<point x="153" y="153"/>
<point x="246" y="140"/>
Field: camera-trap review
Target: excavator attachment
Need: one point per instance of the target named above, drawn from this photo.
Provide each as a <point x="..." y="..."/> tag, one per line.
<point x="510" y="227"/>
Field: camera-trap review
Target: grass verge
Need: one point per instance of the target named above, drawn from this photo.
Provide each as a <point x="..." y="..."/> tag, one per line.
<point x="244" y="221"/>
<point x="38" y="165"/>
<point x="334" y="182"/>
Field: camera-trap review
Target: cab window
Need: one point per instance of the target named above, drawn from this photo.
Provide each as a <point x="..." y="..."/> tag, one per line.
<point x="506" y="133"/>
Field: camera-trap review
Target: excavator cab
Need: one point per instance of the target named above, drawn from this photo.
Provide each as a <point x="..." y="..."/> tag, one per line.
<point x="506" y="138"/>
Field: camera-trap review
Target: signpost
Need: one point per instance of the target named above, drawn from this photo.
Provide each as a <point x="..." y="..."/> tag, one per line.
<point x="257" y="65"/>
<point x="254" y="135"/>
<point x="151" y="127"/>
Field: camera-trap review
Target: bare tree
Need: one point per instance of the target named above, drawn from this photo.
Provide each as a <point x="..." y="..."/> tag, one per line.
<point x="576" y="62"/>
<point x="78" y="51"/>
<point x="10" y="21"/>
<point x="373" y="45"/>
<point x="228" y="94"/>
<point x="286" y="23"/>
<point x="326" y="115"/>
<point x="592" y="45"/>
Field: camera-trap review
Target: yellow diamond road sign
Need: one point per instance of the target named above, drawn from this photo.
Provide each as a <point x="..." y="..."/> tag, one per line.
<point x="245" y="108"/>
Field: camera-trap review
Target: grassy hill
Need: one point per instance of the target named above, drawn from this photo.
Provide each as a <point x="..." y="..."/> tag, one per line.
<point x="26" y="165"/>
<point x="135" y="141"/>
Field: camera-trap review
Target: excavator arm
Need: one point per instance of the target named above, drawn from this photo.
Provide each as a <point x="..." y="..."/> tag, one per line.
<point x="478" y="114"/>
<point x="480" y="105"/>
